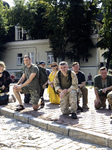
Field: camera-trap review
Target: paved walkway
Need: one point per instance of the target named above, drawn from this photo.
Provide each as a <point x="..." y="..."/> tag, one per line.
<point x="93" y="125"/>
<point x="15" y="135"/>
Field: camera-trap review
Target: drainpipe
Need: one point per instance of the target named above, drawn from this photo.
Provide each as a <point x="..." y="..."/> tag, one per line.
<point x="35" y="55"/>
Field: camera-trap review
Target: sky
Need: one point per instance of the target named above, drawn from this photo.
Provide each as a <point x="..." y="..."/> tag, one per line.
<point x="10" y="2"/>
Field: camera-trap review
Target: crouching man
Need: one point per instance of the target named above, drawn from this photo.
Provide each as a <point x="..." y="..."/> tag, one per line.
<point x="30" y="86"/>
<point x="103" y="89"/>
<point x="66" y="83"/>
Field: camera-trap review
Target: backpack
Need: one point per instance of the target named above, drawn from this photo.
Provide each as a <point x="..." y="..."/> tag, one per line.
<point x="79" y="94"/>
<point x="69" y="76"/>
<point x="43" y="77"/>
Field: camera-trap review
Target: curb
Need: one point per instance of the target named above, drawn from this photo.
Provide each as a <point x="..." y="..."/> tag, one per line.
<point x="75" y="133"/>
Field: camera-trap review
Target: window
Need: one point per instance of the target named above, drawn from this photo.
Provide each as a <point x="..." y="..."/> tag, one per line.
<point x="19" y="34"/>
<point x="84" y="59"/>
<point x="31" y="56"/>
<point x="19" y="59"/>
<point x="50" y="58"/>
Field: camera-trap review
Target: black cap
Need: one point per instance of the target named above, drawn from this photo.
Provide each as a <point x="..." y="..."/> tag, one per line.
<point x="41" y="62"/>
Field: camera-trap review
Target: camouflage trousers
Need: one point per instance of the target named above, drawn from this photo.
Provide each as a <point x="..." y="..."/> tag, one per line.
<point x="69" y="103"/>
<point x="79" y="94"/>
<point x="35" y="94"/>
<point x="109" y="97"/>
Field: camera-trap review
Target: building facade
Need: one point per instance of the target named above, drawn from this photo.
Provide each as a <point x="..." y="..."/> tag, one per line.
<point x="39" y="50"/>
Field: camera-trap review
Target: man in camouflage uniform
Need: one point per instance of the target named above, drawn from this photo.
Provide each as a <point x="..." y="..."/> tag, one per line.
<point x="109" y="97"/>
<point x="103" y="88"/>
<point x="67" y="89"/>
<point x="31" y="85"/>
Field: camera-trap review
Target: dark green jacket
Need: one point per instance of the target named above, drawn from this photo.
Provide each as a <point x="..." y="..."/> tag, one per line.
<point x="98" y="81"/>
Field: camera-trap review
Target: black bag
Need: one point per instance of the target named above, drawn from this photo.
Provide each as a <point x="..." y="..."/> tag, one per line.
<point x="43" y="77"/>
<point x="4" y="99"/>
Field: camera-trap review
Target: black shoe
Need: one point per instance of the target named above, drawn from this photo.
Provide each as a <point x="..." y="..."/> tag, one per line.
<point x="20" y="107"/>
<point x="42" y="102"/>
<point x="80" y="108"/>
<point x="109" y="107"/>
<point x="74" y="116"/>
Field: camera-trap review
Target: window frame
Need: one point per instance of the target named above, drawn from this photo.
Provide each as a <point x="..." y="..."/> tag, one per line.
<point x="50" y="58"/>
<point x="31" y="54"/>
<point x="19" y="59"/>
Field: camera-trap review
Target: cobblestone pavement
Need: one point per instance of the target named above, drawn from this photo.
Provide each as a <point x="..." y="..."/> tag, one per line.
<point x="15" y="135"/>
<point x="92" y="125"/>
<point x="92" y="120"/>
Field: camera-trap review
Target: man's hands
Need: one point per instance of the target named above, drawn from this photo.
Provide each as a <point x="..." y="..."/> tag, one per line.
<point x="63" y="92"/>
<point x="97" y="101"/>
<point x="3" y="87"/>
<point x="104" y="90"/>
<point x="17" y="87"/>
<point x="82" y="84"/>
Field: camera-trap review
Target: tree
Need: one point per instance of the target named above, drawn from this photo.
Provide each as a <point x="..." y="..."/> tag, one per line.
<point x="43" y="19"/>
<point x="3" y="28"/>
<point x="56" y="28"/>
<point x="80" y="23"/>
<point x="61" y="21"/>
<point x="30" y="17"/>
<point x="106" y="31"/>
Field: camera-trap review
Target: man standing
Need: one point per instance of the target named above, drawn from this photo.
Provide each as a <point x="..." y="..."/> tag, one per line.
<point x="31" y="85"/>
<point x="81" y="83"/>
<point x="67" y="88"/>
<point x="89" y="80"/>
<point x="102" y="88"/>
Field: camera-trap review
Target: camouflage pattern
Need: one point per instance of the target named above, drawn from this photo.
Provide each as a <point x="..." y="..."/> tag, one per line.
<point x="73" y="86"/>
<point x="109" y="97"/>
<point x="79" y="94"/>
<point x="69" y="100"/>
<point x="35" y="95"/>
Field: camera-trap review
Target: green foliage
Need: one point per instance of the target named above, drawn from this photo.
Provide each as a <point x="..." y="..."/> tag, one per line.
<point x="3" y="28"/>
<point x="30" y="17"/>
<point x="56" y="27"/>
<point x="106" y="31"/>
<point x="61" y="21"/>
<point x="80" y="23"/>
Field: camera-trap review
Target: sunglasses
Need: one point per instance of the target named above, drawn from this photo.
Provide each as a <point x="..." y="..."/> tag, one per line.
<point x="63" y="64"/>
<point x="54" y="66"/>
